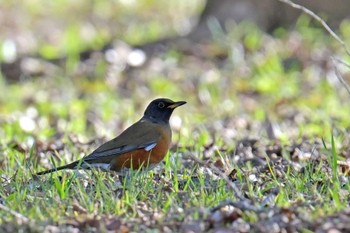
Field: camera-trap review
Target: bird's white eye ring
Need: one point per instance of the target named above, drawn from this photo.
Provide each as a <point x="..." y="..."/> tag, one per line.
<point x="161" y="105"/>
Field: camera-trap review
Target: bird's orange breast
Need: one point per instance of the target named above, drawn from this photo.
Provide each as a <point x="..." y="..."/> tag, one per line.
<point x="142" y="158"/>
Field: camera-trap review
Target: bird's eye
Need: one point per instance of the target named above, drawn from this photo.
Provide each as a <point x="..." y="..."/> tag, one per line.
<point x="161" y="105"/>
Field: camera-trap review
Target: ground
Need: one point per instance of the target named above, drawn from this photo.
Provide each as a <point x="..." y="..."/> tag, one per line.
<point x="262" y="144"/>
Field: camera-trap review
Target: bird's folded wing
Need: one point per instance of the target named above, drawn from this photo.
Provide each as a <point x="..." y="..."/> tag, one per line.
<point x="137" y="136"/>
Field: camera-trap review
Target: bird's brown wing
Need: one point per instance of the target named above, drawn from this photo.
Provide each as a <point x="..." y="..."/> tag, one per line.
<point x="140" y="135"/>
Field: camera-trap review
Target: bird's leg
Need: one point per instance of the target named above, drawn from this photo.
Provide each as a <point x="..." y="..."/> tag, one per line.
<point x="122" y="175"/>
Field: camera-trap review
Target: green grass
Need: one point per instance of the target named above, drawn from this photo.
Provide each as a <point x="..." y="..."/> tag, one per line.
<point x="168" y="192"/>
<point x="228" y="101"/>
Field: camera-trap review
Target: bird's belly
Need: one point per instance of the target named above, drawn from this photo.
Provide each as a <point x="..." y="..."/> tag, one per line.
<point x="141" y="157"/>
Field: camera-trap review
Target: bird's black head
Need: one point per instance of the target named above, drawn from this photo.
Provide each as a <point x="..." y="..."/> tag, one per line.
<point x="160" y="110"/>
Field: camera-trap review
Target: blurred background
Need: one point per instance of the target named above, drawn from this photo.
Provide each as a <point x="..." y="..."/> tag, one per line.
<point x="247" y="68"/>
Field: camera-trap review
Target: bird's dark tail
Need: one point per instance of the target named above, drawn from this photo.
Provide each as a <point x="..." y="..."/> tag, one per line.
<point x="73" y="165"/>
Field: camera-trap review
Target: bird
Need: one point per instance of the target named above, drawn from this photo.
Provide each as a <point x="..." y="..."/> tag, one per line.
<point x="143" y="144"/>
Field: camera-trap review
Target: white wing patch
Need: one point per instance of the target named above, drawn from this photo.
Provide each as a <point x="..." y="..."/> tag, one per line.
<point x="150" y="147"/>
<point x="102" y="166"/>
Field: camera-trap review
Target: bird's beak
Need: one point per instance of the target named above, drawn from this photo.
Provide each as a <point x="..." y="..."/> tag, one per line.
<point x="176" y="104"/>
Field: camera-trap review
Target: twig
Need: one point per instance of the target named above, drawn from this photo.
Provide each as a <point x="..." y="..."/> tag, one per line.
<point x="19" y="216"/>
<point x="320" y="20"/>
<point x="341" y="62"/>
<point x="339" y="76"/>
<point x="243" y="205"/>
<point x="237" y="192"/>
<point x="331" y="32"/>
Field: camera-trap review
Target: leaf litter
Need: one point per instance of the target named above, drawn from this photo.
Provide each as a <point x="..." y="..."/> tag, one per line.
<point x="245" y="155"/>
